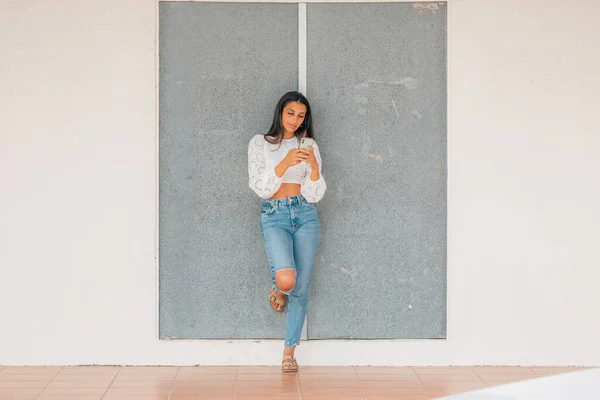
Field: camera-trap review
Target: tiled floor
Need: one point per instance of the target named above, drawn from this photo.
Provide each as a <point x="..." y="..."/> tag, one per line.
<point x="254" y="383"/>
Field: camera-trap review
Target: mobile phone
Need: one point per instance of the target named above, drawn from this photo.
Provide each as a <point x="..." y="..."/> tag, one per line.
<point x="305" y="143"/>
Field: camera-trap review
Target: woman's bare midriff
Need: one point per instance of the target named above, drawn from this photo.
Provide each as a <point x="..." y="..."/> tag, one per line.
<point x="286" y="190"/>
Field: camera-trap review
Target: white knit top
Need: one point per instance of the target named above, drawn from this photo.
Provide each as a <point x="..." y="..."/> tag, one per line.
<point x="263" y="157"/>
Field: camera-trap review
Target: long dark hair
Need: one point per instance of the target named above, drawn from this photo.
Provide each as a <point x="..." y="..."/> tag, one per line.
<point x="275" y="134"/>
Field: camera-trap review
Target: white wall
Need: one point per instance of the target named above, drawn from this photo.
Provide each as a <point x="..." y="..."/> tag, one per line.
<point x="78" y="281"/>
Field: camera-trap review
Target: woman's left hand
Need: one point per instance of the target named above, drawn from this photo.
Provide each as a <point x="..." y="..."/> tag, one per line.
<point x="308" y="155"/>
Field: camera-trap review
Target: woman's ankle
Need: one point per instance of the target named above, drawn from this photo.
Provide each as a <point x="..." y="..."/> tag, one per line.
<point x="289" y="351"/>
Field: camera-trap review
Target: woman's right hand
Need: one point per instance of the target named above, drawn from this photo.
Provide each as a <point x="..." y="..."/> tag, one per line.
<point x="294" y="157"/>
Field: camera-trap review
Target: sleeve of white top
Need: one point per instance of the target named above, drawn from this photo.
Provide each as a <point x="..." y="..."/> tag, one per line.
<point x="261" y="180"/>
<point x="313" y="191"/>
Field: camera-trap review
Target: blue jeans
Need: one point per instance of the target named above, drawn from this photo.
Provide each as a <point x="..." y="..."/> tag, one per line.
<point x="291" y="230"/>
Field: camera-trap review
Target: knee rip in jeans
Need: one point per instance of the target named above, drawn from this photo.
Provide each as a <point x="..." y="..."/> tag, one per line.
<point x="285" y="281"/>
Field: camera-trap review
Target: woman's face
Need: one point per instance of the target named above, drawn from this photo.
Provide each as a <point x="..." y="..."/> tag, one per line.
<point x="293" y="116"/>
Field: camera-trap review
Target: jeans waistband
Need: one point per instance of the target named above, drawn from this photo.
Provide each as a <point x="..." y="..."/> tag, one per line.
<point x="298" y="199"/>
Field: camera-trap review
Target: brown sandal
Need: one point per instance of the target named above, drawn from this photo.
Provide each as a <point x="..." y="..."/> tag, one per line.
<point x="289" y="364"/>
<point x="277" y="300"/>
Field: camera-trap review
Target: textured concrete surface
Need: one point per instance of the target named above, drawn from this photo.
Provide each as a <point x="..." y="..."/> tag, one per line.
<point x="223" y="67"/>
<point x="377" y="83"/>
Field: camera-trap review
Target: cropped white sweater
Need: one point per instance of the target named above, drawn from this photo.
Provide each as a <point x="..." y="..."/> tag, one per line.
<point x="263" y="157"/>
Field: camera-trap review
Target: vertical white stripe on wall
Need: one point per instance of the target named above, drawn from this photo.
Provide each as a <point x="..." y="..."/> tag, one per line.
<point x="302" y="48"/>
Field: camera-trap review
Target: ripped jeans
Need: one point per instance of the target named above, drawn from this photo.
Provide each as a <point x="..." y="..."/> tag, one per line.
<point x="291" y="230"/>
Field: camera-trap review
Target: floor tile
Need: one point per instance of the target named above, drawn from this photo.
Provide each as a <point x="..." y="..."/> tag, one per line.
<point x="398" y="390"/>
<point x="5" y="392"/>
<point x="273" y="390"/>
<point x="554" y="370"/>
<point x="23" y="384"/>
<point x="452" y="389"/>
<point x="328" y="370"/>
<point x="267" y="377"/>
<point x="398" y="397"/>
<point x="207" y="383"/>
<point x="74" y="391"/>
<point x="266" y="397"/>
<point x="206" y="377"/>
<point x="392" y="384"/>
<point x="51" y="397"/>
<point x="202" y="390"/>
<point x="30" y="370"/>
<point x="501" y="379"/>
<point x="326" y="383"/>
<point x="451" y="380"/>
<point x="427" y="379"/>
<point x="149" y="370"/>
<point x="144" y="377"/>
<point x="137" y="397"/>
<point x="501" y="370"/>
<point x="95" y="370"/>
<point x="207" y="370"/>
<point x="327" y="377"/>
<point x="324" y="391"/>
<point x="385" y="370"/>
<point x="138" y="391"/>
<point x="84" y="377"/>
<point x="79" y="384"/>
<point x="443" y="370"/>
<point x="258" y="369"/>
<point x="267" y="383"/>
<point x="200" y="397"/>
<point x="361" y="396"/>
<point x="142" y="384"/>
<point x="26" y="377"/>
<point x="388" y="377"/>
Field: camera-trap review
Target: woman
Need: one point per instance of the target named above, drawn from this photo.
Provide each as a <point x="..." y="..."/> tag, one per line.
<point x="289" y="181"/>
